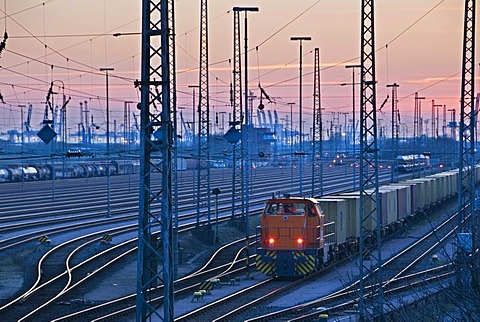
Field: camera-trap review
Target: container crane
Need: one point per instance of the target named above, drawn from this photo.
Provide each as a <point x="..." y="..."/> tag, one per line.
<point x="27" y="123"/>
<point x="137" y="127"/>
<point x="270" y="120"/>
<point x="29" y="118"/>
<point x="259" y="119"/>
<point x="264" y="118"/>
<point x="186" y="131"/>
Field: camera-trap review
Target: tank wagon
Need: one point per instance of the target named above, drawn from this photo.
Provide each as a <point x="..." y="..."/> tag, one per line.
<point x="5" y="175"/>
<point x="36" y="172"/>
<point x="28" y="173"/>
<point x="297" y="236"/>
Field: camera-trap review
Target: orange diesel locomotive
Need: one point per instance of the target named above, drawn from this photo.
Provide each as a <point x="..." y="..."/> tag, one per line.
<point x="293" y="238"/>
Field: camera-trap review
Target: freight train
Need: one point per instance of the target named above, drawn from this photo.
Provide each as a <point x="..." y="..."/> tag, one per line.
<point x="36" y="172"/>
<point x="297" y="236"/>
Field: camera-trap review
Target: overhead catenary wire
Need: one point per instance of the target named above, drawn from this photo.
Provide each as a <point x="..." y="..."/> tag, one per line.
<point x="68" y="68"/>
<point x="63" y="49"/>
<point x="357" y="58"/>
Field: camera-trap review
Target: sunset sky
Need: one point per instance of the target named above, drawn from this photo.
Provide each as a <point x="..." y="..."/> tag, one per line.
<point x="419" y="46"/>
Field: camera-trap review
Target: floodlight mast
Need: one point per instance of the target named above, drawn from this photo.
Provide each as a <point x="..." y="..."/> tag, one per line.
<point x="301" y="39"/>
<point x="106" y="70"/>
<point x="353" y="124"/>
<point x="245" y="136"/>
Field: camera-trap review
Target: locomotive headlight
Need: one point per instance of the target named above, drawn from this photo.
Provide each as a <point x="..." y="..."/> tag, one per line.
<point x="271" y="242"/>
<point x="300" y="242"/>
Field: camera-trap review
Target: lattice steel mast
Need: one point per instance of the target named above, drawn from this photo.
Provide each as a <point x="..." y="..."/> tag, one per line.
<point x="317" y="153"/>
<point x="237" y="120"/>
<point x="417" y="119"/>
<point x="156" y="135"/>
<point x="466" y="182"/>
<point x="370" y="219"/>
<point x="395" y="130"/>
<point x="203" y="174"/>
<point x="173" y="107"/>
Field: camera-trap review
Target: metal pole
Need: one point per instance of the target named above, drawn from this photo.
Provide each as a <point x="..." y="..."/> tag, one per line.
<point x="216" y="219"/>
<point x="394" y="130"/>
<point x="216" y="192"/>
<point x="193" y="137"/>
<point x="300" y="39"/>
<point x="291" y="142"/>
<point x="353" y="125"/>
<point x="53" y="151"/>
<point x="106" y="70"/>
<point x="22" y="126"/>
<point x="246" y="138"/>
<point x="301" y="124"/>
<point x="247" y="158"/>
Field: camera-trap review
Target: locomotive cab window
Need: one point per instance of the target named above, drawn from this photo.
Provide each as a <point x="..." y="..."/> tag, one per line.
<point x="285" y="209"/>
<point x="312" y="211"/>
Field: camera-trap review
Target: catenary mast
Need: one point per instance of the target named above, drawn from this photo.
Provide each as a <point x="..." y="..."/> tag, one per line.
<point x="155" y="255"/>
<point x="371" y="305"/>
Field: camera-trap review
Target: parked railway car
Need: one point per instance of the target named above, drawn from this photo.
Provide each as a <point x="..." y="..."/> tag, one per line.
<point x="412" y="162"/>
<point x="30" y="173"/>
<point x="17" y="174"/>
<point x="296" y="242"/>
<point x="34" y="172"/>
<point x="44" y="172"/>
<point x="294" y="238"/>
<point x="5" y="175"/>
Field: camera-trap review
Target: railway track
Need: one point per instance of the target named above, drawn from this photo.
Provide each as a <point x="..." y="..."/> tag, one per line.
<point x="90" y="214"/>
<point x="59" y="269"/>
<point x="422" y="283"/>
<point x="256" y="295"/>
<point x="226" y="263"/>
<point x="25" y="221"/>
<point x="395" y="269"/>
<point x="84" y="204"/>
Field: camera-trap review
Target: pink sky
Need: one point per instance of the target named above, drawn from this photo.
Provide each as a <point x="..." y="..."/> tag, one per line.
<point x="428" y="52"/>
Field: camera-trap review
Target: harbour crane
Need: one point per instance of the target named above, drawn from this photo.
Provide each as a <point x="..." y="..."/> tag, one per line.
<point x="270" y="121"/>
<point x="28" y="127"/>
<point x="186" y="131"/>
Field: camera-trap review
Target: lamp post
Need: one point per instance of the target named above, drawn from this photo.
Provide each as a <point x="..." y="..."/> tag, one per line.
<point x="291" y="142"/>
<point x="300" y="39"/>
<point x="353" y="120"/>
<point x="245" y="137"/>
<point x="394" y="87"/>
<point x="193" y="136"/>
<point x="106" y="70"/>
<point x="22" y="126"/>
